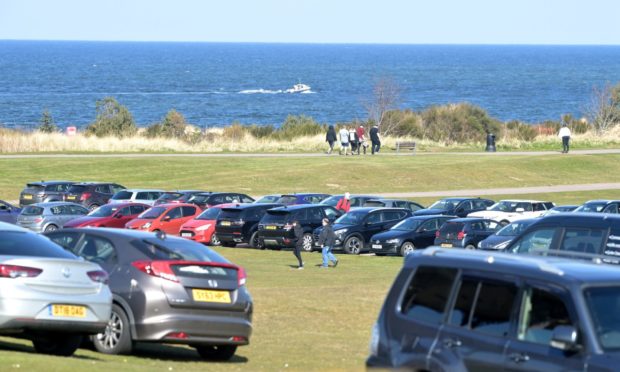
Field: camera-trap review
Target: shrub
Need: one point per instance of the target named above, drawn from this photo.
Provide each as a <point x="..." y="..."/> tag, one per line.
<point x="173" y="125"/>
<point x="458" y="123"/>
<point x="113" y="119"/>
<point x="235" y="132"/>
<point x="261" y="131"/>
<point x="47" y="124"/>
<point x="520" y="131"/>
<point x="297" y="126"/>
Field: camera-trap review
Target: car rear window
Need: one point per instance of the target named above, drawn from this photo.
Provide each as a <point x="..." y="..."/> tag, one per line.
<point x="276" y="217"/>
<point x="32" y="210"/>
<point x="451" y="228"/>
<point x="210" y="214"/>
<point x="287" y="199"/>
<point x="76" y="189"/>
<point x="230" y="213"/>
<point x="427" y="294"/>
<point x="16" y="243"/>
<point x="122" y="195"/>
<point x="35" y="187"/>
<point x="176" y="249"/>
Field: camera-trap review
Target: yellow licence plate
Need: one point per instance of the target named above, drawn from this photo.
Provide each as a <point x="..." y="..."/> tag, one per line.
<point x="205" y="295"/>
<point x="27" y="196"/>
<point x="225" y="223"/>
<point x="270" y="227"/>
<point x="70" y="197"/>
<point x="70" y="311"/>
<point x="446" y="245"/>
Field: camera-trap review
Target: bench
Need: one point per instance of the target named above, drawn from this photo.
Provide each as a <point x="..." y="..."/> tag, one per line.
<point x="405" y="145"/>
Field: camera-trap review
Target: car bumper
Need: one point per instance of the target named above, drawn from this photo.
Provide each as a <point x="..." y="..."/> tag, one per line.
<point x="384" y="247"/>
<point x="231" y="238"/>
<point x="277" y="241"/>
<point x="32" y="227"/>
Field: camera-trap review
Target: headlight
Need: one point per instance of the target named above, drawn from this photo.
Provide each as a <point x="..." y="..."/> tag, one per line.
<point x="147" y="225"/>
<point x="502" y="245"/>
<point x="203" y="227"/>
<point x="340" y="232"/>
<point x="393" y="241"/>
<point x="480" y="244"/>
<point x="374" y="340"/>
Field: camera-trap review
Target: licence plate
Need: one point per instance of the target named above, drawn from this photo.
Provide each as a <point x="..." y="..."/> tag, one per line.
<point x="205" y="295"/>
<point x="446" y="245"/>
<point x="187" y="235"/>
<point x="28" y="197"/>
<point x="270" y="227"/>
<point x="69" y="311"/>
<point x="377" y="246"/>
<point x="225" y="223"/>
<point x="70" y="197"/>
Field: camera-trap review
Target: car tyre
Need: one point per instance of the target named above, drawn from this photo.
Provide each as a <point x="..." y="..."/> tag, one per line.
<point x="50" y="228"/>
<point x="215" y="240"/>
<point x="308" y="242"/>
<point x="116" y="339"/>
<point x="255" y="242"/>
<point x="470" y="246"/>
<point x="216" y="352"/>
<point x="406" y="248"/>
<point x="58" y="344"/>
<point x="353" y="245"/>
<point x="92" y="207"/>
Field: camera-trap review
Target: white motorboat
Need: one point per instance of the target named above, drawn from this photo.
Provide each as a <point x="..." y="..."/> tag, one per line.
<point x="298" y="88"/>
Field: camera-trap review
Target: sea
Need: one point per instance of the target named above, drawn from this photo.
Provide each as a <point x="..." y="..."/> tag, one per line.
<point x="215" y="84"/>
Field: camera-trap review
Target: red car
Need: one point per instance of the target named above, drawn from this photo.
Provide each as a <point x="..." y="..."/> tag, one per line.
<point x="165" y="217"/>
<point x="201" y="229"/>
<point x="110" y="215"/>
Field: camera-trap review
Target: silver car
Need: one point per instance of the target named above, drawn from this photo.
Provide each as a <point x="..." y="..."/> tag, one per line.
<point x="136" y="196"/>
<point x="44" y="217"/>
<point x="48" y="294"/>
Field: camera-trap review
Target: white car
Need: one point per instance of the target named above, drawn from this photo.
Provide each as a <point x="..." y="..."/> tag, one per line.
<point x="507" y="211"/>
<point x="48" y="294"/>
<point x="136" y="196"/>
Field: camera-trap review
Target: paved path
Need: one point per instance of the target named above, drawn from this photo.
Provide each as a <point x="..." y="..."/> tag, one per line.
<point x="307" y="155"/>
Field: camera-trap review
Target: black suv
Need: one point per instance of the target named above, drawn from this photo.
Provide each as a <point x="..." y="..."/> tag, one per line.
<point x="465" y="232"/>
<point x="208" y="199"/>
<point x="575" y="234"/>
<point x="239" y="224"/>
<point x="354" y="229"/>
<point x="459" y="207"/>
<point x="92" y="195"/>
<point x="43" y="192"/>
<point x="276" y="227"/>
<point x="412" y="233"/>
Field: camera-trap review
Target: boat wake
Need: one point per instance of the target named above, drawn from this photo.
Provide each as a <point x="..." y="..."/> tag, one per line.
<point x="269" y="91"/>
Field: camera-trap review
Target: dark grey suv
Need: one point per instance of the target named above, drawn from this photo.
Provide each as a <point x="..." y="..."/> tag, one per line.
<point x="44" y="191"/>
<point x="456" y="310"/>
<point x="92" y="195"/>
<point x="166" y="290"/>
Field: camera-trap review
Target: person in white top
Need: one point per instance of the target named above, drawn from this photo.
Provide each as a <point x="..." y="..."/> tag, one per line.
<point x="565" y="136"/>
<point x="344" y="140"/>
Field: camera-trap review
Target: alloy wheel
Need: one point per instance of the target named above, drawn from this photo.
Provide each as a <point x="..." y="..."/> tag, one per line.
<point x="113" y="331"/>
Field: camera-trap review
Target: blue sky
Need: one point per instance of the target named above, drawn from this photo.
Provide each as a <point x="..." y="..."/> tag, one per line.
<point x="317" y="21"/>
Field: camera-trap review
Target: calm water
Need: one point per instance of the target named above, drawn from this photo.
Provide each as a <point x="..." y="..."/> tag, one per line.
<point x="214" y="84"/>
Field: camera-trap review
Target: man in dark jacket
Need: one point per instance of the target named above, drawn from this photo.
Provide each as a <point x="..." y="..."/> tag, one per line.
<point x="299" y="242"/>
<point x="374" y="139"/>
<point x="331" y="138"/>
<point x="327" y="238"/>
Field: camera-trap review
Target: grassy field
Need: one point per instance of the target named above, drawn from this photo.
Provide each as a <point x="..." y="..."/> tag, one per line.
<point x="312" y="319"/>
<point x="257" y="176"/>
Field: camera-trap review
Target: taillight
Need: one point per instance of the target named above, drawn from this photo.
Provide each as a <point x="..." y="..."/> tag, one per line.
<point x="85" y="196"/>
<point x="38" y="219"/>
<point x="437" y="234"/>
<point x="14" y="271"/>
<point x="461" y="235"/>
<point x="159" y="269"/>
<point x="98" y="276"/>
<point x="241" y="276"/>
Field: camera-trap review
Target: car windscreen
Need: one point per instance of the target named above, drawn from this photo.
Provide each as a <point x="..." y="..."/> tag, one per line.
<point x="444" y="204"/>
<point x="199" y="198"/>
<point x="176" y="249"/>
<point x="514" y="228"/>
<point x="104" y="211"/>
<point x="332" y="200"/>
<point x="352" y="218"/>
<point x="602" y="303"/>
<point x="231" y="214"/>
<point x="32" y="210"/>
<point x="17" y="243"/>
<point x="287" y="199"/>
<point x="593" y="207"/>
<point x="76" y="189"/>
<point x="273" y="216"/>
<point x="509" y="206"/>
<point x="152" y="213"/>
<point x="122" y="195"/>
<point x="407" y="225"/>
<point x="210" y="214"/>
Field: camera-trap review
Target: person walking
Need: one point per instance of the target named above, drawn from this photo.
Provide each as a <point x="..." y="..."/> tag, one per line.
<point x="344" y="140"/>
<point x="565" y="136"/>
<point x="361" y="133"/>
<point x="299" y="243"/>
<point x="331" y="138"/>
<point x="344" y="204"/>
<point x="327" y="238"/>
<point x="353" y="140"/>
<point x="374" y="139"/>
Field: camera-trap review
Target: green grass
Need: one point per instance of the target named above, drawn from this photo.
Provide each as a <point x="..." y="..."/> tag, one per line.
<point x="257" y="176"/>
<point x="312" y="319"/>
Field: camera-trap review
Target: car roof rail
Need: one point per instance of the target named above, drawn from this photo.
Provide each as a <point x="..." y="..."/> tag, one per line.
<point x="595" y="258"/>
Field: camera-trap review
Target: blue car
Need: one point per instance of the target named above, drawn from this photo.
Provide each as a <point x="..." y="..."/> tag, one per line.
<point x="503" y="237"/>
<point x="302" y="198"/>
<point x="8" y="212"/>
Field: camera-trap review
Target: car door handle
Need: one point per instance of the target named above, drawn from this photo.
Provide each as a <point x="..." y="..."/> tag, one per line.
<point x="519" y="358"/>
<point x="452" y="343"/>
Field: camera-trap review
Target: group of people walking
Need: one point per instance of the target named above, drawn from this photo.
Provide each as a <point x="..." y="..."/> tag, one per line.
<point x="354" y="139"/>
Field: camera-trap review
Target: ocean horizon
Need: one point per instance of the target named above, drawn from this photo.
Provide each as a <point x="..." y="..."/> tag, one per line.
<point x="214" y="83"/>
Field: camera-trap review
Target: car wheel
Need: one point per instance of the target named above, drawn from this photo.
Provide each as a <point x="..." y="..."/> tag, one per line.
<point x="353" y="245"/>
<point x="49" y="228"/>
<point x="215" y="240"/>
<point x="92" y="207"/>
<point x="57" y="344"/>
<point x="216" y="352"/>
<point x="308" y="242"/>
<point x="255" y="242"/>
<point x="116" y="339"/>
<point x="470" y="246"/>
<point x="406" y="248"/>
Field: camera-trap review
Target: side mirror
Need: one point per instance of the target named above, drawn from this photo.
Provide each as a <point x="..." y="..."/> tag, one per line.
<point x="166" y="218"/>
<point x="564" y="338"/>
<point x="519" y="210"/>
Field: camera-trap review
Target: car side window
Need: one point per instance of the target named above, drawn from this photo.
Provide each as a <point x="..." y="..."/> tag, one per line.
<point x="480" y="204"/>
<point x="582" y="240"/>
<point x="540" y="313"/>
<point x="413" y="207"/>
<point x="391" y="216"/>
<point x="218" y="200"/>
<point x="175" y="213"/>
<point x="142" y="195"/>
<point x="58" y="210"/>
<point x="125" y="211"/>
<point x="330" y="212"/>
<point x="493" y="307"/>
<point x="477" y="226"/>
<point x="154" y="195"/>
<point x="373" y="218"/>
<point x="430" y="225"/>
<point x="115" y="188"/>
<point x="104" y="189"/>
<point x="612" y="208"/>
<point x="188" y="211"/>
<point x="301" y="215"/>
<point x="538" y="207"/>
<point x="356" y="202"/>
<point x="461" y="312"/>
<point x="65" y="240"/>
<point x="538" y="240"/>
<point x="491" y="225"/>
<point x="77" y="209"/>
<point x="137" y="209"/>
<point x="466" y="205"/>
<point x="96" y="249"/>
<point x="315" y="214"/>
<point x="427" y="294"/>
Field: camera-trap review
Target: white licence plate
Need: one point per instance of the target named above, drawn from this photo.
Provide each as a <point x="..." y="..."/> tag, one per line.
<point x="187" y="235"/>
<point x="377" y="246"/>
